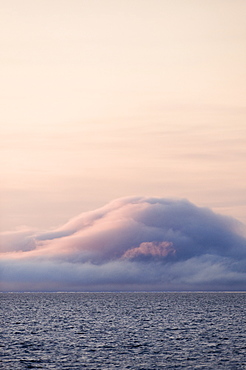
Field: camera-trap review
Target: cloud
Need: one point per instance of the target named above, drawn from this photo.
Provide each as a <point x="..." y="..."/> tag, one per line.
<point x="153" y="249"/>
<point x="18" y="240"/>
<point x="134" y="243"/>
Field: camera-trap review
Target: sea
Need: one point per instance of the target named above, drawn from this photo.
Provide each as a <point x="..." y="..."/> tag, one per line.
<point x="123" y="330"/>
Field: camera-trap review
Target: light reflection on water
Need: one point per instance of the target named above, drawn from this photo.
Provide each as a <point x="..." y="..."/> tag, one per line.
<point x="123" y="330"/>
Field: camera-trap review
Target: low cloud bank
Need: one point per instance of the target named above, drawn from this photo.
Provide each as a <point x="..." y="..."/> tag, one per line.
<point x="132" y="243"/>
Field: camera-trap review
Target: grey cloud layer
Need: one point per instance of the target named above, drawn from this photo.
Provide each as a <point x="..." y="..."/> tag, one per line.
<point x="130" y="244"/>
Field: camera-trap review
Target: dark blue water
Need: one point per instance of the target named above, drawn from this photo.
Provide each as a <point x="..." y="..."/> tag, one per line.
<point x="123" y="330"/>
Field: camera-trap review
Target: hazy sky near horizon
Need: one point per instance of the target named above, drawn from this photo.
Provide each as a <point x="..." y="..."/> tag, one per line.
<point x="105" y="99"/>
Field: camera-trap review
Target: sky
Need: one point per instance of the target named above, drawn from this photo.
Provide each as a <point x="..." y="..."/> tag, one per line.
<point x="107" y="99"/>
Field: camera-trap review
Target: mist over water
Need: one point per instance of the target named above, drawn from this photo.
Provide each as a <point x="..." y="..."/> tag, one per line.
<point x="130" y="244"/>
<point x="123" y="330"/>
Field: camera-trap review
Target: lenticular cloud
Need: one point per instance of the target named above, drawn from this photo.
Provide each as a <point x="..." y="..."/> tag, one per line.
<point x="132" y="243"/>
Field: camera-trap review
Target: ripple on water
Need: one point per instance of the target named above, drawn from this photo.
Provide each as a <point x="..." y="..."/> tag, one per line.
<point x="123" y="330"/>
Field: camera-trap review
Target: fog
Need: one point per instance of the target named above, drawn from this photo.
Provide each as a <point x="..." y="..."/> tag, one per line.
<point x="133" y="243"/>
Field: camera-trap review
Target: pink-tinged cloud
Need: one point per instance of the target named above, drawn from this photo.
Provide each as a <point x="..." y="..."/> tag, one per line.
<point x="154" y="249"/>
<point x="132" y="243"/>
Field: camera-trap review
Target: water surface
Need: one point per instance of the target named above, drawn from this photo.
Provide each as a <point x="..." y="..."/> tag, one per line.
<point x="123" y="330"/>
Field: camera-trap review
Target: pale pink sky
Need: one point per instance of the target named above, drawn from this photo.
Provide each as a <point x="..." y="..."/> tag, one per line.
<point x="105" y="99"/>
